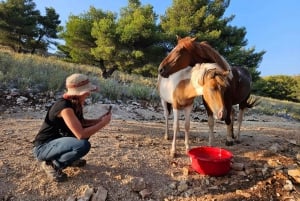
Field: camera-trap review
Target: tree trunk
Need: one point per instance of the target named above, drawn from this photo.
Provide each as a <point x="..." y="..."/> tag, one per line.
<point x="106" y="73"/>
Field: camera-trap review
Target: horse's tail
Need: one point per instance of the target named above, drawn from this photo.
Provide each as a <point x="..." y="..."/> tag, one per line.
<point x="252" y="101"/>
<point x="215" y="57"/>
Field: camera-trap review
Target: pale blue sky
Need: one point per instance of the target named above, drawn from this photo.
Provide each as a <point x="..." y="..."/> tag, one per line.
<point x="273" y="26"/>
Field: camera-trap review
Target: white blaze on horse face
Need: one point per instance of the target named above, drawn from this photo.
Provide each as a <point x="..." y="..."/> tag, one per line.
<point x="168" y="85"/>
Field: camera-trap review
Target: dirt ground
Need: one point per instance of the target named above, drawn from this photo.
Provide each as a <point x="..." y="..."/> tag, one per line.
<point x="132" y="146"/>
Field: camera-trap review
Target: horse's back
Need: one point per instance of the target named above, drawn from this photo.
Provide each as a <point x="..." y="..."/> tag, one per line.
<point x="241" y="84"/>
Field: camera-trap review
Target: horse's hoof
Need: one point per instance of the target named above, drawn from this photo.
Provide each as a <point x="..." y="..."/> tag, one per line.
<point x="237" y="141"/>
<point x="172" y="154"/>
<point x="166" y="137"/>
<point x="228" y="143"/>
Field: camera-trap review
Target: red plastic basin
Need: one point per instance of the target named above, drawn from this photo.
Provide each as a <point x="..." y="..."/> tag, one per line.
<point x="213" y="161"/>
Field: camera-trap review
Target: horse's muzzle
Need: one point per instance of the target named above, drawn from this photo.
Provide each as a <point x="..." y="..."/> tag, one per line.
<point x="163" y="72"/>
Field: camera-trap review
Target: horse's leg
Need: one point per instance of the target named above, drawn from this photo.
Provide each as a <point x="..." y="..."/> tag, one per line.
<point x="166" y="115"/>
<point x="239" y="120"/>
<point x="175" y="131"/>
<point x="187" y="115"/>
<point x="229" y="123"/>
<point x="211" y="124"/>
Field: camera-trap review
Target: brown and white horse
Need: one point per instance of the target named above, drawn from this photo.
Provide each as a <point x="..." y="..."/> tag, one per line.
<point x="181" y="88"/>
<point x="189" y="52"/>
<point x="237" y="92"/>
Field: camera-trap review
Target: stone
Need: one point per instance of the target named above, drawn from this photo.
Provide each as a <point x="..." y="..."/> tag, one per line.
<point x="173" y="185"/>
<point x="243" y="193"/>
<point x="274" y="148"/>
<point x="71" y="198"/>
<point x="145" y="193"/>
<point x="295" y="174"/>
<point x="138" y="184"/>
<point x="298" y="156"/>
<point x="273" y="163"/>
<point x="238" y="166"/>
<point x="100" y="195"/>
<point x="185" y="171"/>
<point x="288" y="186"/>
<point x="182" y="186"/>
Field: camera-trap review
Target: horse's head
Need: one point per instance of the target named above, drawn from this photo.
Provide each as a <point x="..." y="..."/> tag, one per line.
<point x="179" y="58"/>
<point x="215" y="82"/>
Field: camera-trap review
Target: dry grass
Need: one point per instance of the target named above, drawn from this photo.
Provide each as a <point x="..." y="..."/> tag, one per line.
<point x="35" y="73"/>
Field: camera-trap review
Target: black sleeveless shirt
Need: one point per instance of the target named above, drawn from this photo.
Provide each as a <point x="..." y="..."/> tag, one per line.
<point x="53" y="126"/>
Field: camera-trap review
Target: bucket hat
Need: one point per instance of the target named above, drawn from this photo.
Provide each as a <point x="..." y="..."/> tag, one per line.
<point x="78" y="84"/>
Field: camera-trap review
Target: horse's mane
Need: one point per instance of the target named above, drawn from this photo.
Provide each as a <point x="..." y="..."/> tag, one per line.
<point x="221" y="78"/>
<point x="200" y="71"/>
<point x="204" y="53"/>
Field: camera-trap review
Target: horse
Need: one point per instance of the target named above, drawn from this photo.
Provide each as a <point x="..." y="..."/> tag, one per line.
<point x="188" y="52"/>
<point x="179" y="90"/>
<point x="236" y="93"/>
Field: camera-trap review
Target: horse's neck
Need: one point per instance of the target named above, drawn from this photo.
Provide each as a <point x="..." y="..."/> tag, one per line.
<point x="183" y="74"/>
<point x="205" y="54"/>
<point x="167" y="86"/>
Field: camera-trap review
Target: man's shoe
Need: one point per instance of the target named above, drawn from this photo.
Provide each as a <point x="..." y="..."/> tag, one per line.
<point x="54" y="173"/>
<point x="78" y="163"/>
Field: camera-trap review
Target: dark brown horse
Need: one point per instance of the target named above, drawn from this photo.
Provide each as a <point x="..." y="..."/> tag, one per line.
<point x="188" y="52"/>
<point x="237" y="92"/>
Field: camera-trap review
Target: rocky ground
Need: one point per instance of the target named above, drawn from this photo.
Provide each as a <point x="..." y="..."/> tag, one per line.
<point x="129" y="159"/>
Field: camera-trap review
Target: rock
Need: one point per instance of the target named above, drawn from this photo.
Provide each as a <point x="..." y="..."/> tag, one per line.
<point x="242" y="193"/>
<point x="273" y="163"/>
<point x="295" y="174"/>
<point x="145" y="193"/>
<point x="21" y="100"/>
<point x="213" y="188"/>
<point x="71" y="198"/>
<point x="240" y="173"/>
<point x="238" y="166"/>
<point x="294" y="142"/>
<point x="138" y="184"/>
<point x="173" y="185"/>
<point x="274" y="148"/>
<point x="100" y="195"/>
<point x="298" y="156"/>
<point x="288" y="186"/>
<point x="182" y="186"/>
<point x="249" y="171"/>
<point x="186" y="171"/>
<point x="264" y="171"/>
<point x="87" y="194"/>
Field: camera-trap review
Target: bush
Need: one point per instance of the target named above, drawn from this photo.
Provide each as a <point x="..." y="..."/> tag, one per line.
<point x="279" y="87"/>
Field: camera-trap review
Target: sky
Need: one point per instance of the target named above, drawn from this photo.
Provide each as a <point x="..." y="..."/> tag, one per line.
<point x="271" y="26"/>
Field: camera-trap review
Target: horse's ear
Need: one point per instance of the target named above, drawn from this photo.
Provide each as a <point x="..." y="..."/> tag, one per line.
<point x="178" y="37"/>
<point x="226" y="73"/>
<point x="194" y="39"/>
